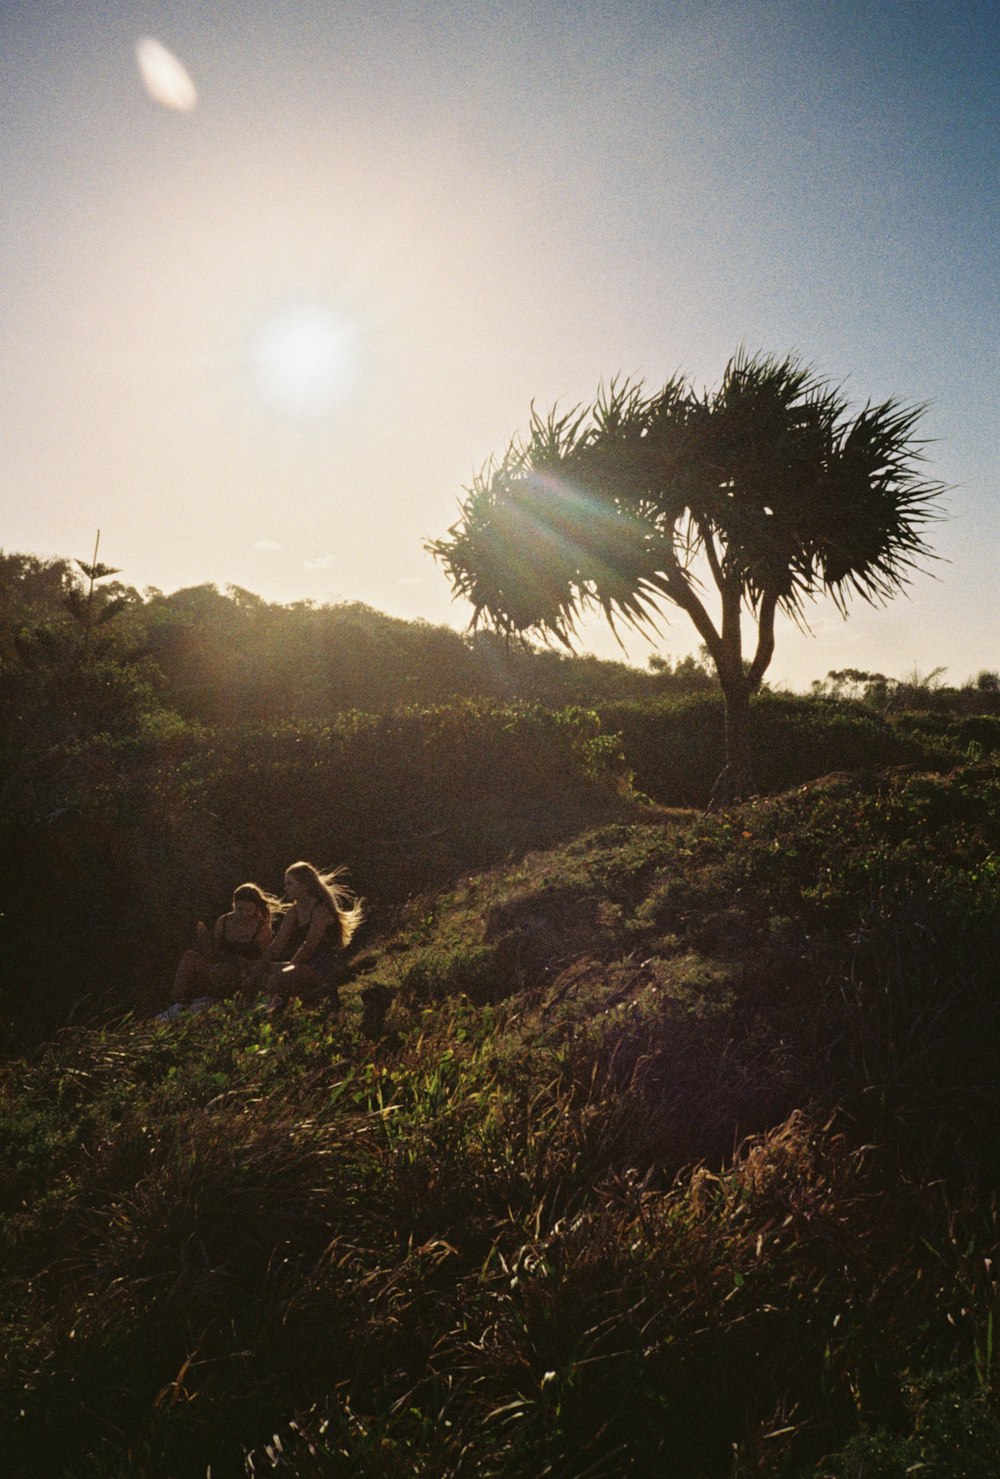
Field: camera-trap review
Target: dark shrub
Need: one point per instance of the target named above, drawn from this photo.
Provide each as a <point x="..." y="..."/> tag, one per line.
<point x="675" y="747"/>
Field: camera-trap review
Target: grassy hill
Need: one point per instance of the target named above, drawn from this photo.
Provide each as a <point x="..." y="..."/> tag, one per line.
<point x="676" y="1153"/>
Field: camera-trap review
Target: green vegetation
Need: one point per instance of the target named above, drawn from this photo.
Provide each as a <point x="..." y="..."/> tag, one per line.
<point x="214" y="657"/>
<point x="676" y="747"/>
<point x="114" y="845"/>
<point x="675" y="1155"/>
<point x="647" y="1141"/>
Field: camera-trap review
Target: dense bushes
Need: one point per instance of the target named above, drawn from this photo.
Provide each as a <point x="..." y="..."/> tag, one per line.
<point x="113" y="848"/>
<point x="405" y="800"/>
<point x="676" y="747"/>
<point x="974" y="734"/>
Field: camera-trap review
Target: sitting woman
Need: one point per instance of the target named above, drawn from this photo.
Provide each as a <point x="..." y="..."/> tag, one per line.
<point x="304" y="958"/>
<point x="224" y="958"/>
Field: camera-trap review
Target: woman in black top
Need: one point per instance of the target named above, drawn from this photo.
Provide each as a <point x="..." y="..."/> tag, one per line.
<point x="224" y="958"/>
<point x="304" y="957"/>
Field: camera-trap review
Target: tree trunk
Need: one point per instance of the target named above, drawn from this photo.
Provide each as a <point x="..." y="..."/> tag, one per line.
<point x="736" y="782"/>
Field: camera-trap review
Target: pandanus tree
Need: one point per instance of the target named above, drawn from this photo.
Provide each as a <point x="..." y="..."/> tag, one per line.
<point x="731" y="504"/>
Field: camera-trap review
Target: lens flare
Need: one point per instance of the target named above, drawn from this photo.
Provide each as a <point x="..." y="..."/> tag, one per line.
<point x="164" y="76"/>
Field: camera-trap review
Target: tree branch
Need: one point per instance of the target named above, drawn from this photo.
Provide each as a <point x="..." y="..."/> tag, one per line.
<point x="765" y="639"/>
<point x="712" y="555"/>
<point x="678" y="590"/>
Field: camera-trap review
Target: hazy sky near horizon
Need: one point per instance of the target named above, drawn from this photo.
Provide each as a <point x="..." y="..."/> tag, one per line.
<point x="266" y="340"/>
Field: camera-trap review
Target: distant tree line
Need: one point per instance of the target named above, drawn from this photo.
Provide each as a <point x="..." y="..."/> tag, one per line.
<point x="80" y="651"/>
<point x="925" y="693"/>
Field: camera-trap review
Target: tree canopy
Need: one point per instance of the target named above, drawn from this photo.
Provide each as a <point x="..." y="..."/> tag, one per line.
<point x="768" y="489"/>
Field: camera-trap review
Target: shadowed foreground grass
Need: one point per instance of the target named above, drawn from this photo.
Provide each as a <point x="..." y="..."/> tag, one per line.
<point x="677" y="1155"/>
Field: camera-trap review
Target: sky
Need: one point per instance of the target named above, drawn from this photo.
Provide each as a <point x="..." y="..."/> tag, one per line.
<point x="265" y="316"/>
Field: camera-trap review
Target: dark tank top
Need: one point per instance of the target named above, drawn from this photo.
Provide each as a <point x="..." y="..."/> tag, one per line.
<point x="238" y="949"/>
<point x="329" y="940"/>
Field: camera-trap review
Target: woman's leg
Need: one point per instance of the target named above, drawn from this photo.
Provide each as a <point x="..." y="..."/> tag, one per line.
<point x="192" y="977"/>
<point x="224" y="979"/>
<point x="296" y="980"/>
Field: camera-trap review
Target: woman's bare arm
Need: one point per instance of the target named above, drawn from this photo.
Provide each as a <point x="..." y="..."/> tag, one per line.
<point x="318" y="924"/>
<point x="280" y="940"/>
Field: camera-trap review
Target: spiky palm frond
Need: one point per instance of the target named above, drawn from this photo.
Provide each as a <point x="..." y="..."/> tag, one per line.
<point x="788" y="494"/>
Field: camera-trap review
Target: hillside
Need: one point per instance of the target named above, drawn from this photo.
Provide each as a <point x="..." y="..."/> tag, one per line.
<point x="675" y="1153"/>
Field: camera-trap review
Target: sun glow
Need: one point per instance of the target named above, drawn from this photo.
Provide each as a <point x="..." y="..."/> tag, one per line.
<point x="305" y="361"/>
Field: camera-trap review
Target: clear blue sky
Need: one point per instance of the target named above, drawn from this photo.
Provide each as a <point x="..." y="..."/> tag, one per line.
<point x="267" y="340"/>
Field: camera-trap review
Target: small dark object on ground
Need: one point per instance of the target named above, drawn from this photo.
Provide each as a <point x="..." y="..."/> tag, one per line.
<point x="376" y="1001"/>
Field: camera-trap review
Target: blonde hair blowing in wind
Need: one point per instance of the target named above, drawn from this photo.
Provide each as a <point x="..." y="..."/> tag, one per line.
<point x="327" y="888"/>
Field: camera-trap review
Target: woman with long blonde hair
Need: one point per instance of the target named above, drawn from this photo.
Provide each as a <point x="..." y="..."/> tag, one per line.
<point x="304" y="957"/>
